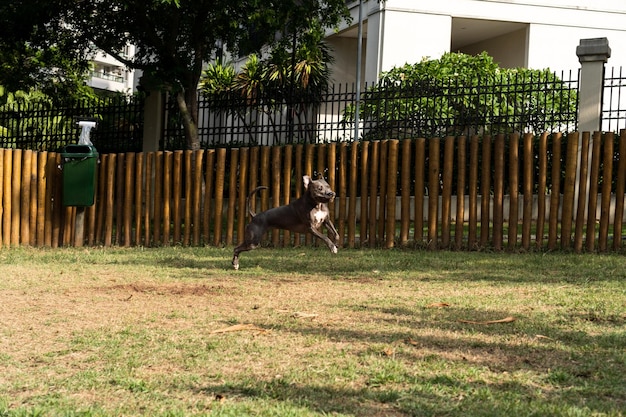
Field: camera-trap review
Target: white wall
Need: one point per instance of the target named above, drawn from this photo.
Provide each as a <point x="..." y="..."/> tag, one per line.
<point x="409" y="37"/>
<point x="345" y="53"/>
<point x="507" y="50"/>
<point x="555" y="47"/>
<point x="401" y="31"/>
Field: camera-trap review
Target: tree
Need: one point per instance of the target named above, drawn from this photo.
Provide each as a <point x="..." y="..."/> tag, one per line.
<point x="175" y="38"/>
<point x="291" y="80"/>
<point x="38" y="51"/>
<point x="461" y="94"/>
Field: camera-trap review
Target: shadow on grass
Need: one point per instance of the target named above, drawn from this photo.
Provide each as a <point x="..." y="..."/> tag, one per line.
<point x="415" y="396"/>
<point x="580" y="372"/>
<point x="462" y="266"/>
<point x="400" y="263"/>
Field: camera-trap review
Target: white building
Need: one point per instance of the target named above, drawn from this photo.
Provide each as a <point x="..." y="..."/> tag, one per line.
<point x="111" y="75"/>
<point x="517" y="33"/>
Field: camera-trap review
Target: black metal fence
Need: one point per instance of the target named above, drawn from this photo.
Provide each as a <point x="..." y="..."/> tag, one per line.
<point x="424" y="109"/>
<point x="521" y="103"/>
<point x="42" y="127"/>
<point x="614" y="100"/>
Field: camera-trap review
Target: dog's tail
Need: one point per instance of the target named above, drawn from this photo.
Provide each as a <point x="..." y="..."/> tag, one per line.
<point x="262" y="187"/>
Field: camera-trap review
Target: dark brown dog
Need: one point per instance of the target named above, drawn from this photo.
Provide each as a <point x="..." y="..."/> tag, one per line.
<point x="307" y="214"/>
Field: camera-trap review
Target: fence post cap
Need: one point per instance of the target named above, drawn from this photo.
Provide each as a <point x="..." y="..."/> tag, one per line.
<point x="594" y="49"/>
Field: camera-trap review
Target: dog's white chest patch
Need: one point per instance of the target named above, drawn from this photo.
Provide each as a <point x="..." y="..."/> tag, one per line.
<point x="320" y="216"/>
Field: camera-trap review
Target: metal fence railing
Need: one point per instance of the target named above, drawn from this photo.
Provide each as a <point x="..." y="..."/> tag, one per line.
<point x="427" y="108"/>
<point x="423" y="109"/>
<point x="614" y="100"/>
<point x="42" y="127"/>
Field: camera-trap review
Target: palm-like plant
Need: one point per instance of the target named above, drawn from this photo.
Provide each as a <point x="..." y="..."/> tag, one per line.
<point x="295" y="79"/>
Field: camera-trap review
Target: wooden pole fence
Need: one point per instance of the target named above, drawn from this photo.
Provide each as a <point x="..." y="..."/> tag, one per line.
<point x="509" y="192"/>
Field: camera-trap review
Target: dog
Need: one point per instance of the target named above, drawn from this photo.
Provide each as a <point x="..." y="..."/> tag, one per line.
<point x="307" y="214"/>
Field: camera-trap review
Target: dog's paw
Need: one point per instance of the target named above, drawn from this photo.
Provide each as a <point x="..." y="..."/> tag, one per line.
<point x="333" y="249"/>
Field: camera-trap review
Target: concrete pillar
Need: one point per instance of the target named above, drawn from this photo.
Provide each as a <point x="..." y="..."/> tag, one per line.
<point x="152" y="121"/>
<point x="592" y="54"/>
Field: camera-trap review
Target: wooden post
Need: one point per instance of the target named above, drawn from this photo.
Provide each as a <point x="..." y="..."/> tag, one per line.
<point x="485" y="190"/>
<point x="25" y="197"/>
<point x="446" y="190"/>
<point x="365" y="145"/>
<point x="418" y="203"/>
<point x="277" y="173"/>
<point x="569" y="185"/>
<point x="583" y="193"/>
<point x="594" y="176"/>
<point x="373" y="194"/>
<point x="460" y="191"/>
<point x="619" y="192"/>
<point x="232" y="195"/>
<point x="129" y="173"/>
<point x="555" y="192"/>
<point x="242" y="210"/>
<point x="208" y="194"/>
<point x="176" y="194"/>
<point x="16" y="186"/>
<point x="433" y="192"/>
<point x="382" y="195"/>
<point x="354" y="149"/>
<point x="341" y="191"/>
<point x="392" y="185"/>
<point x="167" y="198"/>
<point x="405" y="192"/>
<point x="542" y="177"/>
<point x="527" y="210"/>
<point x="79" y="227"/>
<point x="498" y="192"/>
<point x="473" y="193"/>
<point x="513" y="190"/>
<point x="605" y="205"/>
<point x="286" y="186"/>
<point x="219" y="196"/>
<point x="110" y="192"/>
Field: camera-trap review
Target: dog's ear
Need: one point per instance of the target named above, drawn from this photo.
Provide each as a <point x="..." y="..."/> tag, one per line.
<point x="306" y="180"/>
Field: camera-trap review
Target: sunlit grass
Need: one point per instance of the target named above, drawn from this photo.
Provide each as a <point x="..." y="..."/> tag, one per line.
<point x="101" y="332"/>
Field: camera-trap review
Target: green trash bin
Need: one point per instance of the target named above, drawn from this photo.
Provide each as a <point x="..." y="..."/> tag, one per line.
<point x="79" y="175"/>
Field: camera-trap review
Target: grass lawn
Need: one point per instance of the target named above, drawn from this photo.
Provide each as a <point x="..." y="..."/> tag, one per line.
<point x="300" y="332"/>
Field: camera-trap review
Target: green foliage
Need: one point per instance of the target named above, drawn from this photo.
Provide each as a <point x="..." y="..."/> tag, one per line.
<point x="172" y="51"/>
<point x="39" y="50"/>
<point x="297" y="79"/>
<point x="35" y="120"/>
<point x="47" y="40"/>
<point x="460" y="94"/>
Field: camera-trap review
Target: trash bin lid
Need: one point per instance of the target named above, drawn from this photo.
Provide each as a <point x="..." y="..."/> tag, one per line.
<point x="79" y="151"/>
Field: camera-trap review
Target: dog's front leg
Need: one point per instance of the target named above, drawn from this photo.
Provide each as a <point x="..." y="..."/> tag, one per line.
<point x="331" y="229"/>
<point x="329" y="243"/>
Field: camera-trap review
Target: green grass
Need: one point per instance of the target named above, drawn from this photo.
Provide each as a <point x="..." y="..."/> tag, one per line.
<point x="100" y="332"/>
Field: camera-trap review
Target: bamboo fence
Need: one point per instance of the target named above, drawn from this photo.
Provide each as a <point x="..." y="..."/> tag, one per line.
<point x="462" y="193"/>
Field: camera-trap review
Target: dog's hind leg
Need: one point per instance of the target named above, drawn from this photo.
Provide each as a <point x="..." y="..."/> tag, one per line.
<point x="252" y="239"/>
<point x="244" y="246"/>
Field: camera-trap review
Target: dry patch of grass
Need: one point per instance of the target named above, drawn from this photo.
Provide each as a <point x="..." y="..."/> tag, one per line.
<point x="175" y="331"/>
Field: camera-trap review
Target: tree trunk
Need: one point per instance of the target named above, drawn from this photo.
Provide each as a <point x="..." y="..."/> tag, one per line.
<point x="189" y="115"/>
